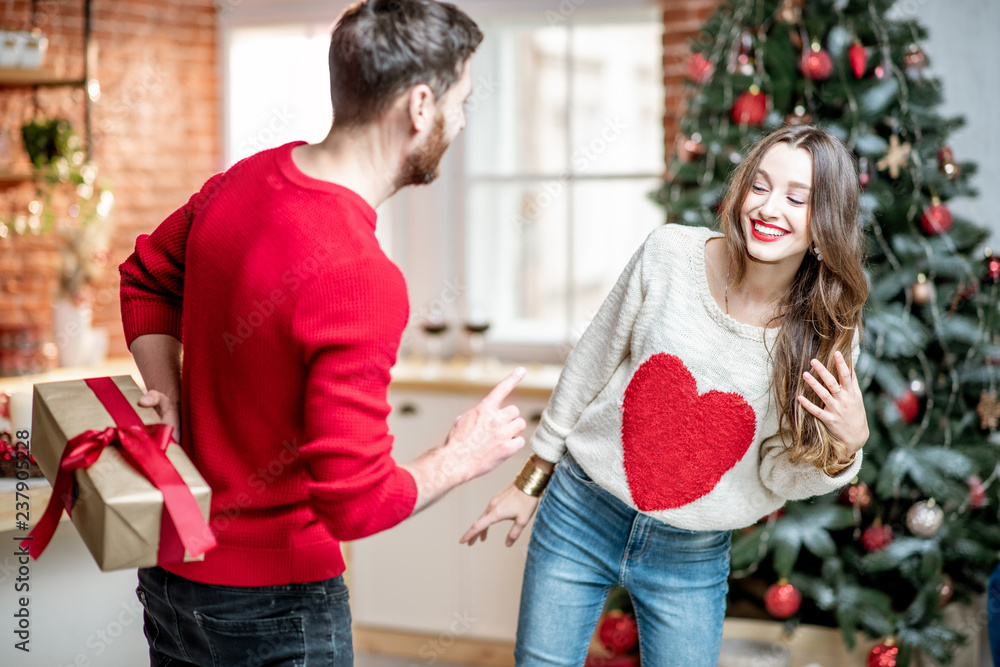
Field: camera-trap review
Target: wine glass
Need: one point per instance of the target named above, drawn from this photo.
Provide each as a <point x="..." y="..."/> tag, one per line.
<point x="434" y="325"/>
<point x="476" y="325"/>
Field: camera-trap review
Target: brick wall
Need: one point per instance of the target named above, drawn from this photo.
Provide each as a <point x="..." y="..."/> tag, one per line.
<point x="155" y="131"/>
<point x="682" y="21"/>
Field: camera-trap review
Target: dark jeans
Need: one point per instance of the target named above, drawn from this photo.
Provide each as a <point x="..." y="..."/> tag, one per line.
<point x="190" y="624"/>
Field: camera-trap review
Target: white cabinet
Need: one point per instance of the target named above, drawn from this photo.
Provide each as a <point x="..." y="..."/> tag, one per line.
<point x="416" y="577"/>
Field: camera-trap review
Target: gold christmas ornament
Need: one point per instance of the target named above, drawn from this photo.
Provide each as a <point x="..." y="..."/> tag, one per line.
<point x="988" y="410"/>
<point x="923" y="291"/>
<point x="897" y="157"/>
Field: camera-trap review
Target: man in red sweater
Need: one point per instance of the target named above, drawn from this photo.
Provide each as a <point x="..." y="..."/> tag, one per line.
<point x="291" y="317"/>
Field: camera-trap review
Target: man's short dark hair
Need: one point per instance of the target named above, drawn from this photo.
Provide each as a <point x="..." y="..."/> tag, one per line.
<point x="381" y="48"/>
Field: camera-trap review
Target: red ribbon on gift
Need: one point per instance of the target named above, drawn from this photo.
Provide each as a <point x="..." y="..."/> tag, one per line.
<point x="182" y="527"/>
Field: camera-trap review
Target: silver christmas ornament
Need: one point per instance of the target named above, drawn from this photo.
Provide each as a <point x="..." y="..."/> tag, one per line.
<point x="925" y="518"/>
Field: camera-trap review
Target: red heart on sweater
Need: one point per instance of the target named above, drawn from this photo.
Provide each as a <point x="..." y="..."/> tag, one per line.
<point x="678" y="444"/>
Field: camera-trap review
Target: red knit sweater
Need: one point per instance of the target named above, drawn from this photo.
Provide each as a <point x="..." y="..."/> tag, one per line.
<point x="291" y="317"/>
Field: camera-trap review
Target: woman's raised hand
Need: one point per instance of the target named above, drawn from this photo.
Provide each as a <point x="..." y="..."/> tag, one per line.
<point x="510" y="503"/>
<point x="843" y="409"/>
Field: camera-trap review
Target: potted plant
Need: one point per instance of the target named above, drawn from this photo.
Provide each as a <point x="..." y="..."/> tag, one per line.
<point x="75" y="207"/>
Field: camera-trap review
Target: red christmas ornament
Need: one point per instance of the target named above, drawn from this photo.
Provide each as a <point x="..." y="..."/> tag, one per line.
<point x="977" y="493"/>
<point x="884" y="655"/>
<point x="936" y="218"/>
<point x="750" y="107"/>
<point x="782" y="599"/>
<point x="992" y="266"/>
<point x="618" y="631"/>
<point x="815" y="63"/>
<point x="4" y="405"/>
<point x="858" y="57"/>
<point x="700" y="70"/>
<point x="908" y="405"/>
<point x="857" y="495"/>
<point x="876" y="536"/>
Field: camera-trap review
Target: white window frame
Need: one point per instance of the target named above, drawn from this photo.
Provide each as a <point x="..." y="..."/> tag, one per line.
<point x="428" y="223"/>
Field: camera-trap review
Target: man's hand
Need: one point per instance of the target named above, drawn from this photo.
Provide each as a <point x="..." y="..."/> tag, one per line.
<point x="158" y="358"/>
<point x="169" y="410"/>
<point x="481" y="439"/>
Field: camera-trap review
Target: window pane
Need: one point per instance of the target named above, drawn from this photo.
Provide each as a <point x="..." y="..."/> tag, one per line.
<point x="611" y="219"/>
<point x="517" y="114"/>
<point x="516" y="254"/>
<point x="617" y="98"/>
<point x="278" y="88"/>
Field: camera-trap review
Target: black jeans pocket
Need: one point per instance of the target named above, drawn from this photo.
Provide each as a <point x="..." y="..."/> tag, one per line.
<point x="254" y="642"/>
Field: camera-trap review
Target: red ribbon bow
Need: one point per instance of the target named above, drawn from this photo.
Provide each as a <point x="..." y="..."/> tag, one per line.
<point x="182" y="527"/>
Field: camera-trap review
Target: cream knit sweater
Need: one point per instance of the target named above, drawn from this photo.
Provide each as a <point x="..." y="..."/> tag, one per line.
<point x="665" y="401"/>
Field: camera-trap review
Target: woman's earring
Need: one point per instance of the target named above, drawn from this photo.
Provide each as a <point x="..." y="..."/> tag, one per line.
<point x="819" y="255"/>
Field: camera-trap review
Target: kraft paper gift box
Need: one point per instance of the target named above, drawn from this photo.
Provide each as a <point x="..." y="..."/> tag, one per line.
<point x="118" y="511"/>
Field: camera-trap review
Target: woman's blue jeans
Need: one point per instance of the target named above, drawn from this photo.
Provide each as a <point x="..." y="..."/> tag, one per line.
<point x="993" y="614"/>
<point x="585" y="540"/>
<point x="298" y="625"/>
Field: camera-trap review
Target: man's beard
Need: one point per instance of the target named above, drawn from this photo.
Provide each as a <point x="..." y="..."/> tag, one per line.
<point x="422" y="164"/>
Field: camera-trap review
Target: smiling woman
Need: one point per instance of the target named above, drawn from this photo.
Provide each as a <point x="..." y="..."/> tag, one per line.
<point x="663" y="430"/>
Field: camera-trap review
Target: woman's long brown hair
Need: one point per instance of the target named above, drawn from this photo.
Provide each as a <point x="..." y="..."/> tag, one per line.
<point x="822" y="309"/>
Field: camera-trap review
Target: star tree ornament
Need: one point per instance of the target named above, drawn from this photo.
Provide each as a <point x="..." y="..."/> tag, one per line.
<point x="884" y="654"/>
<point x="924" y="519"/>
<point x="857" y="495"/>
<point x="897" y="157"/>
<point x="988" y="410"/>
<point x="782" y="599"/>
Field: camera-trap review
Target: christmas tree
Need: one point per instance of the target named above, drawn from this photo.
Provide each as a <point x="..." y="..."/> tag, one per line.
<point x="919" y="525"/>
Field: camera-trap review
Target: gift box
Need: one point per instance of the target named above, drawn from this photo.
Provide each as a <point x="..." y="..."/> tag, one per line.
<point x="132" y="493"/>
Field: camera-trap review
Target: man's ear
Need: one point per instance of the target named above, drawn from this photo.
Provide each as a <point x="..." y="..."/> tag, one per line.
<point x="421" y="107"/>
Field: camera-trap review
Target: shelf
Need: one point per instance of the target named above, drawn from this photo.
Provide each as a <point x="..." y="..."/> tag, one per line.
<point x="15" y="77"/>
